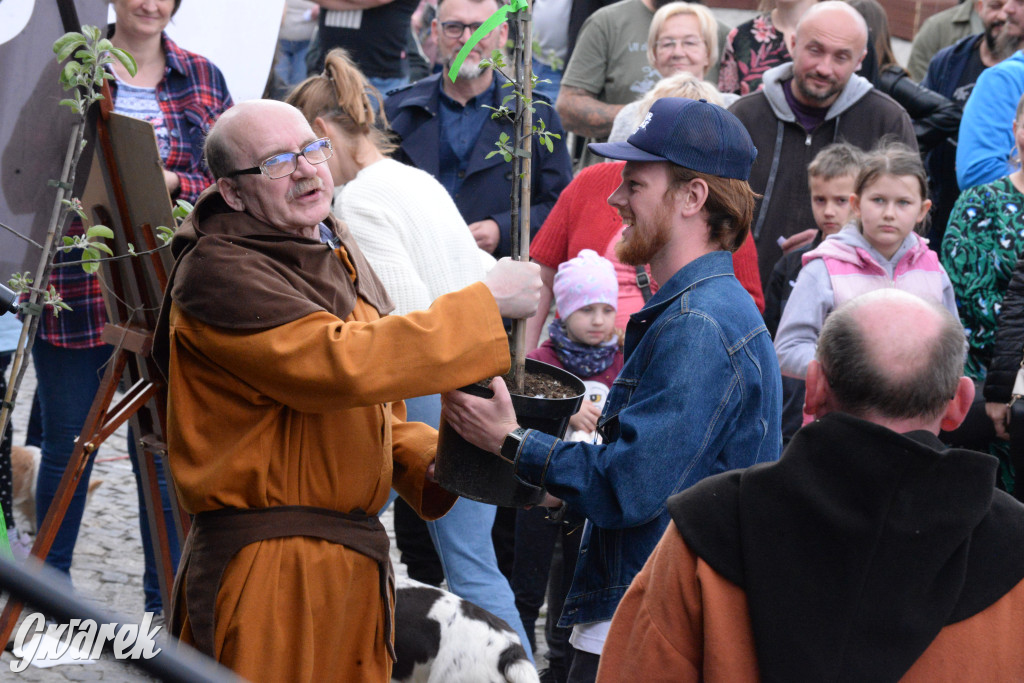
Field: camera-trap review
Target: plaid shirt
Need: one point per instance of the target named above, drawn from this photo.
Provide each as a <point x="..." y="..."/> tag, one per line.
<point x="192" y="94"/>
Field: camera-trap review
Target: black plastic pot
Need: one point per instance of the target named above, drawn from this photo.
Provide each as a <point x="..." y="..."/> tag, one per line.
<point x="474" y="473"/>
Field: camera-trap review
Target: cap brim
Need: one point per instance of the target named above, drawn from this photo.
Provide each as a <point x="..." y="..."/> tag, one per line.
<point x="622" y="151"/>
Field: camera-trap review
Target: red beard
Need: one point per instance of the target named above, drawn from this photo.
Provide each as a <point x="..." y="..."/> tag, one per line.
<point x="646" y="237"/>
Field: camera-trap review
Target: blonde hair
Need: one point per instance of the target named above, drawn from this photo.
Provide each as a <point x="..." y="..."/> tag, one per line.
<point x="706" y="21"/>
<point x="341" y="94"/>
<point x="682" y="84"/>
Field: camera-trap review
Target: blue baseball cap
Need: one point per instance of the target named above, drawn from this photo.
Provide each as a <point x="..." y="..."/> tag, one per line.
<point x="693" y="134"/>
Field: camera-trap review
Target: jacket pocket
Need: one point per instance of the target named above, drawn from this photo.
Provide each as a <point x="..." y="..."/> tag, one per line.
<point x="618" y="398"/>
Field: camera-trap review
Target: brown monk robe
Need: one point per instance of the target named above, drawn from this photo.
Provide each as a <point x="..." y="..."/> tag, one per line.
<point x="278" y="396"/>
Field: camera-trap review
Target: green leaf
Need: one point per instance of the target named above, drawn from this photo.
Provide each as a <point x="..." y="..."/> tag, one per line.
<point x="102" y="247"/>
<point x="69" y="74"/>
<point x="181" y="209"/>
<point x="100" y="231"/>
<point x="69" y="241"/>
<point x="104" y="45"/>
<point x="67" y="48"/>
<point x="547" y="143"/>
<point x="491" y="154"/>
<point x="126" y="59"/>
<point x="92" y="33"/>
<point x="73" y="105"/>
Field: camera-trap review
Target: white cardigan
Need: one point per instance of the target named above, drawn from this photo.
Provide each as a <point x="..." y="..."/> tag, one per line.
<point x="411" y="232"/>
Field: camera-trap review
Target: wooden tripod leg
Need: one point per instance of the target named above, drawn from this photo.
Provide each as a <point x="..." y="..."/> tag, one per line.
<point x="85" y="448"/>
<point x="157" y="519"/>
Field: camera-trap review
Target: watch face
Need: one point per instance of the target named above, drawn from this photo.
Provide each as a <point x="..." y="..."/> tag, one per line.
<point x="510" y="446"/>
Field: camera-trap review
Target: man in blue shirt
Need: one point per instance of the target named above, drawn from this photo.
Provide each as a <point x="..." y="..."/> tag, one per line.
<point x="986" y="139"/>
<point x="447" y="131"/>
<point x="700" y="391"/>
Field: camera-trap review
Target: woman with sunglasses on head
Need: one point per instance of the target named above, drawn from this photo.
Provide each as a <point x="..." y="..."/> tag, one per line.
<point x="181" y="94"/>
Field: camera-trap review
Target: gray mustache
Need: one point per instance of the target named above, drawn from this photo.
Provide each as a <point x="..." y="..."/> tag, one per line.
<point x="305" y="185"/>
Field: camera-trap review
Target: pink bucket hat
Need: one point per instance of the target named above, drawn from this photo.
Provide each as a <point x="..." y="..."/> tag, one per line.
<point x="584" y="280"/>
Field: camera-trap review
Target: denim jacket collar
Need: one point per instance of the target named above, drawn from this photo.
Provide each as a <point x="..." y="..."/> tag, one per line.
<point x="714" y="264"/>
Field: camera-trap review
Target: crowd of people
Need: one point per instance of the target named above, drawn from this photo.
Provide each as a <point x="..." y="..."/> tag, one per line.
<point x="789" y="271"/>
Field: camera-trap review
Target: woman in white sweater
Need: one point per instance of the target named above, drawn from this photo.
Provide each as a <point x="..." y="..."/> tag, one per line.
<point x="420" y="247"/>
<point x="402" y="218"/>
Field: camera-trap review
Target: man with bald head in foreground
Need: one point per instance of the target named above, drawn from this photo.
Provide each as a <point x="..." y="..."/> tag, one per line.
<point x="804" y="106"/>
<point x="285" y="421"/>
<point x="869" y="552"/>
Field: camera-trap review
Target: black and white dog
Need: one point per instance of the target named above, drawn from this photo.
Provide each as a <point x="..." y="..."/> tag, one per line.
<point x="441" y="638"/>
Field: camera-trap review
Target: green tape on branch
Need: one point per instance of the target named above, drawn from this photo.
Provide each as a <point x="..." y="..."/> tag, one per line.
<point x="492" y="23"/>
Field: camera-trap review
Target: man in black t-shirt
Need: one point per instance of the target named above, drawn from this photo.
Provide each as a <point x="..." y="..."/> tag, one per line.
<point x="374" y="32"/>
<point x="953" y="72"/>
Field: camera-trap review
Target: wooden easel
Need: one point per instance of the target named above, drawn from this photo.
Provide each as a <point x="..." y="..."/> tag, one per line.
<point x="126" y="149"/>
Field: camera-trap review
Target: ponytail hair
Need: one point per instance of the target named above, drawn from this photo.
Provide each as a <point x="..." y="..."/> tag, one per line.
<point x="342" y="95"/>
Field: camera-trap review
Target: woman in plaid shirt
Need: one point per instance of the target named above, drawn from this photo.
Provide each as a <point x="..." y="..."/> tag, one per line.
<point x="181" y="94"/>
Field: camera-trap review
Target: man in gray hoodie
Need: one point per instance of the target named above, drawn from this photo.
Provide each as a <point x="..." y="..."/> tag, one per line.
<point x="805" y="105"/>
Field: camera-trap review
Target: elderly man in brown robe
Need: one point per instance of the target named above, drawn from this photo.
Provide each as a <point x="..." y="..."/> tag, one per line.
<point x="285" y="420"/>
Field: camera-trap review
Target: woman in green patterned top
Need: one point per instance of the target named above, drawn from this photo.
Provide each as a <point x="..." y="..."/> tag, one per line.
<point x="983" y="241"/>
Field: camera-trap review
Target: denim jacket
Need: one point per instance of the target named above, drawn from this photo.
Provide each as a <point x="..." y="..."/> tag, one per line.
<point x="699" y="394"/>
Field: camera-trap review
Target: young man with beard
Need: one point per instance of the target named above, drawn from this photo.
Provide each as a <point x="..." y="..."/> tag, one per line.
<point x="806" y="105"/>
<point x="986" y="137"/>
<point x="953" y="72"/>
<point x="700" y="390"/>
<point x="446" y="130"/>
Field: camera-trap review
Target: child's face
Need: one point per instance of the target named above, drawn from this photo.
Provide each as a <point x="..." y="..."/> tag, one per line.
<point x="592" y="324"/>
<point x="889" y="208"/>
<point x="830" y="202"/>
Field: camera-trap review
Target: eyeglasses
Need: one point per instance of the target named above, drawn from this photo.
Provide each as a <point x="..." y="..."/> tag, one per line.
<point x="689" y="44"/>
<point x="284" y="164"/>
<point x="454" y="29"/>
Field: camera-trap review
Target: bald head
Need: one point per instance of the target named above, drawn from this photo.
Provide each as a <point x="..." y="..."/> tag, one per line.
<point x="827" y="47"/>
<point x="241" y="126"/>
<point x="837" y="16"/>
<point x="892" y="354"/>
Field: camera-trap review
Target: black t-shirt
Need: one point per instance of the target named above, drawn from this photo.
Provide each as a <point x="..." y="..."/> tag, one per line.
<point x="972" y="70"/>
<point x="375" y="38"/>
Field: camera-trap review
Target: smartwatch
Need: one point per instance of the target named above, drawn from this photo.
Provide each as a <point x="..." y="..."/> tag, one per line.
<point x="510" y="446"/>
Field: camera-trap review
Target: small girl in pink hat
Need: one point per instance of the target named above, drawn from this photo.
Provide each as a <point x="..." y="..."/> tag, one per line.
<point x="583" y="338"/>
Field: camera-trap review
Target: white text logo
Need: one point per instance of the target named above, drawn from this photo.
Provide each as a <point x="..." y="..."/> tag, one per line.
<point x="80" y="640"/>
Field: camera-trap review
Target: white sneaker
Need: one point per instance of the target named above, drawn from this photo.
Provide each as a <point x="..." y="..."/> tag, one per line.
<point x="21" y="543"/>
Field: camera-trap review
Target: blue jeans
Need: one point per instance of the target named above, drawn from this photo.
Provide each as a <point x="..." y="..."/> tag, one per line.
<point x="290" y="64"/>
<point x="66" y="384"/>
<point x="386" y="84"/>
<point x="543" y="71"/>
<point x="150" y="578"/>
<point x="463" y="542"/>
